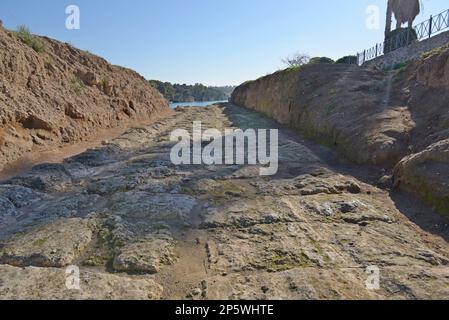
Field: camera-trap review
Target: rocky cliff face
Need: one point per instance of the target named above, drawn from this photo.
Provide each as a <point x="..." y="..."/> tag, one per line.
<point x="338" y="105"/>
<point x="62" y="94"/>
<point x="371" y="116"/>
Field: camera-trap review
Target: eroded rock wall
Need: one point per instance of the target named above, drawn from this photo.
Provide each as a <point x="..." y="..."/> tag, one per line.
<point x="371" y="116"/>
<point x="338" y="105"/>
<point x="63" y="94"/>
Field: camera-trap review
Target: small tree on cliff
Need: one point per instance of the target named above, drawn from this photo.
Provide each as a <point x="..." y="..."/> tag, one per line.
<point x="296" y="60"/>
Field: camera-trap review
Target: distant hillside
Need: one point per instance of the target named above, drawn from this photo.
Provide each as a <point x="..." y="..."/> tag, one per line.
<point x="190" y="93"/>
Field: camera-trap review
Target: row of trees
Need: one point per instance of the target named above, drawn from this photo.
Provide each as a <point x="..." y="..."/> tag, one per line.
<point x="299" y="59"/>
<point x="190" y="93"/>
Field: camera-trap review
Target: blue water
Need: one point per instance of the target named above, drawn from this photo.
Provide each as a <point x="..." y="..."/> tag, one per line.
<point x="174" y="105"/>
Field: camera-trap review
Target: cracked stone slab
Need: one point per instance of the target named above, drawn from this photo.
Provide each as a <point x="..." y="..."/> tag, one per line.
<point x="144" y="211"/>
<point x="45" y="178"/>
<point x="381" y="244"/>
<point x="20" y="196"/>
<point x="245" y="213"/>
<point x="337" y="283"/>
<point x="146" y="256"/>
<point x="352" y="209"/>
<point x="54" y="245"/>
<point x="271" y="247"/>
<point x="33" y="283"/>
<point x="309" y="185"/>
<point x="7" y="208"/>
<point x="295" y="284"/>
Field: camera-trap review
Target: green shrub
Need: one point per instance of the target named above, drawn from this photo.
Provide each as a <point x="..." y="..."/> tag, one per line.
<point x="396" y="67"/>
<point x="106" y="85"/>
<point x="38" y="45"/>
<point x="24" y="34"/>
<point x="330" y="109"/>
<point x="432" y="52"/>
<point x="400" y="66"/>
<point x="248" y="82"/>
<point x="77" y="85"/>
<point x="293" y="69"/>
<point x="34" y="42"/>
<point x="347" y="60"/>
<point x="321" y="60"/>
<point x="105" y="82"/>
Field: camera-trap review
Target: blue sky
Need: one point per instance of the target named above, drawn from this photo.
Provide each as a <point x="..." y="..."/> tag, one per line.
<point x="215" y="42"/>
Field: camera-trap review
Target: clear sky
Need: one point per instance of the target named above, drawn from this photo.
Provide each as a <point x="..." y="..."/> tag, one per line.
<point x="215" y="42"/>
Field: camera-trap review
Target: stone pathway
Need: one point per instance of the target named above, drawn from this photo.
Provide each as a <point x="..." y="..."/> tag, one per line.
<point x="139" y="227"/>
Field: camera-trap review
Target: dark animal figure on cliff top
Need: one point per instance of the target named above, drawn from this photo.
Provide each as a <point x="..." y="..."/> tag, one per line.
<point x="405" y="11"/>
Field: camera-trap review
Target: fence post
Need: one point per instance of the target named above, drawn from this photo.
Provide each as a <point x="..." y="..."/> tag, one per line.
<point x="364" y="56"/>
<point x="448" y="18"/>
<point x="376" y="49"/>
<point x="430" y="26"/>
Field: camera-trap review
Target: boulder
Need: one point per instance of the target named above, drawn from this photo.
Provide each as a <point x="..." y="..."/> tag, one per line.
<point x="426" y="175"/>
<point x="89" y="78"/>
<point x="72" y="112"/>
<point x="399" y="38"/>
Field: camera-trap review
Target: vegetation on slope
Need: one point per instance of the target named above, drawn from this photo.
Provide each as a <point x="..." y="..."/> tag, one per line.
<point x="27" y="37"/>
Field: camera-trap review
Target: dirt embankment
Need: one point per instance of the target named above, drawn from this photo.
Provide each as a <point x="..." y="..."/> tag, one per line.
<point x="61" y="95"/>
<point x="371" y="116"/>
